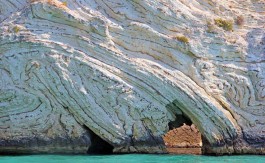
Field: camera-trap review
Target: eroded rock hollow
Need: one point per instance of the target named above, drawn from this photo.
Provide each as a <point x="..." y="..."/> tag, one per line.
<point x="123" y="69"/>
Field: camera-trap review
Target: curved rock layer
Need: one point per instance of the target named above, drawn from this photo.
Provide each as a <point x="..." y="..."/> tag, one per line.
<point x="125" y="69"/>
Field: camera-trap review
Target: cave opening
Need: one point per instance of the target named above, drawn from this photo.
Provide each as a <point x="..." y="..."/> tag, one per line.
<point x="179" y="121"/>
<point x="98" y="145"/>
<point x="183" y="136"/>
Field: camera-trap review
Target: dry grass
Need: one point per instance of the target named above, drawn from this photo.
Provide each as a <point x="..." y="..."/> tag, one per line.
<point x="64" y="4"/>
<point x="225" y="24"/>
<point x="182" y="39"/>
<point x="16" y="29"/>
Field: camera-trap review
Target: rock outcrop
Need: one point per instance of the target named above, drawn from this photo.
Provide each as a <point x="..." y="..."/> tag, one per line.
<point x="123" y="70"/>
<point x="183" y="140"/>
<point x="184" y="136"/>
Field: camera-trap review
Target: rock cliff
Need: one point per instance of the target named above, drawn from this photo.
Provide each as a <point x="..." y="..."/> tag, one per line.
<point x="123" y="70"/>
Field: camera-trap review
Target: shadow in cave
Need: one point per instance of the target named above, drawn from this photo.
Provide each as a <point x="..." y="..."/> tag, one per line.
<point x="179" y="121"/>
<point x="98" y="145"/>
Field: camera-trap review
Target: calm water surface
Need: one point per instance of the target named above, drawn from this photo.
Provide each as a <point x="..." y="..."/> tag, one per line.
<point x="130" y="158"/>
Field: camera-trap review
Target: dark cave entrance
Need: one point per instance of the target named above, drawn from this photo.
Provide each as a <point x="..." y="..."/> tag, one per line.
<point x="98" y="145"/>
<point x="183" y="136"/>
<point x="179" y="121"/>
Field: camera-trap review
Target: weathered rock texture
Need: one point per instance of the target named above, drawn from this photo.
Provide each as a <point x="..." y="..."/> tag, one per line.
<point x="183" y="140"/>
<point x="121" y="69"/>
<point x="184" y="136"/>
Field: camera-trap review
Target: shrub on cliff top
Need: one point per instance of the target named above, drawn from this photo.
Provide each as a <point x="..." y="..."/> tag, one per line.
<point x="182" y="39"/>
<point x="225" y="24"/>
<point x="16" y="29"/>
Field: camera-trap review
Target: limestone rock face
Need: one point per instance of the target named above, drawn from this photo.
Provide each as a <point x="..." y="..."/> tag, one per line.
<point x="125" y="68"/>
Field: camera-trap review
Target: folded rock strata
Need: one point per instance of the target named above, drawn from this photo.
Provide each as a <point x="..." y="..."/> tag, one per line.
<point x="123" y="70"/>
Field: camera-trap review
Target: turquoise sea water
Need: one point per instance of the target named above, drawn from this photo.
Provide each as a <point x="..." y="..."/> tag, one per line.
<point x="131" y="158"/>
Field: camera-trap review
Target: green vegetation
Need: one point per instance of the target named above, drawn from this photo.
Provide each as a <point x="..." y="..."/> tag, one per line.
<point x="16" y="29"/>
<point x="225" y="24"/>
<point x="182" y="39"/>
